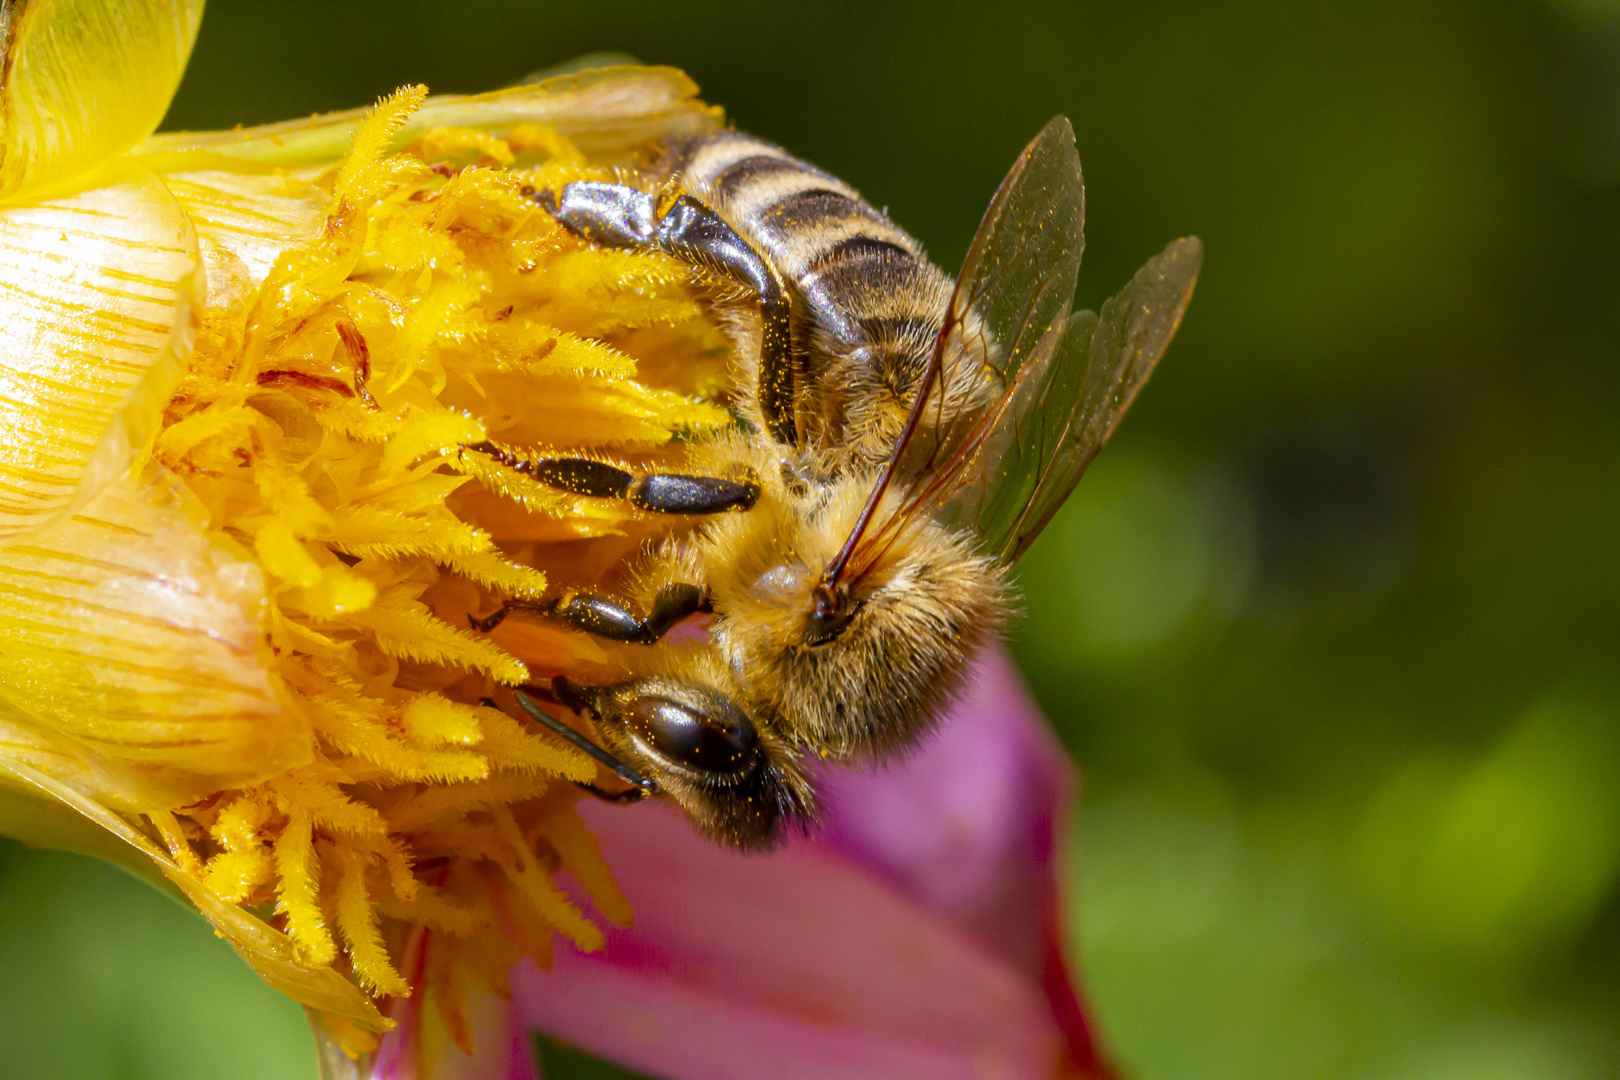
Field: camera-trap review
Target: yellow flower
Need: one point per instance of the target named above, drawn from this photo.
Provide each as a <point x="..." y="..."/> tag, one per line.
<point x="240" y="536"/>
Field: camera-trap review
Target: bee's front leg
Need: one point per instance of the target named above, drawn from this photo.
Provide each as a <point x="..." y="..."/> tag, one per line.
<point x="602" y="617"/>
<point x="617" y="215"/>
<point x="640" y="786"/>
<point x="609" y="619"/>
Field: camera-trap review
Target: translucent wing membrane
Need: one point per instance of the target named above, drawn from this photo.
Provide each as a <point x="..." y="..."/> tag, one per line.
<point x="1018" y="278"/>
<point x="1055" y="421"/>
<point x="1007" y="312"/>
<point x="1028" y="426"/>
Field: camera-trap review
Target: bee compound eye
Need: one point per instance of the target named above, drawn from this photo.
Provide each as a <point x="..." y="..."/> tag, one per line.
<point x="724" y="741"/>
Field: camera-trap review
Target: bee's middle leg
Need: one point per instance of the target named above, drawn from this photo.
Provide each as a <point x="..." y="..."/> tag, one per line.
<point x="659" y="493"/>
<point x="618" y="215"/>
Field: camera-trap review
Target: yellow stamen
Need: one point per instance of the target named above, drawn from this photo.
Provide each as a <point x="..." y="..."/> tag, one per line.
<point x="303" y="727"/>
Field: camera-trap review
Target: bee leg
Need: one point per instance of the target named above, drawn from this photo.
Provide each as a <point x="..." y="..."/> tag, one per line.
<point x="640" y="786"/>
<point x="601" y="617"/>
<point x="659" y="493"/>
<point x="628" y="795"/>
<point x="606" y="618"/>
<point x="691" y="231"/>
<point x="617" y="215"/>
<point x="491" y="621"/>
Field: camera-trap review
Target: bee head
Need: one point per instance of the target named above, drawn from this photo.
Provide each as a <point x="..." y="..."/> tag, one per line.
<point x="738" y="784"/>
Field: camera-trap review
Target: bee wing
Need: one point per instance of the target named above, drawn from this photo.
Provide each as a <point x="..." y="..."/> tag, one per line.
<point x="1008" y="309"/>
<point x="1018" y="278"/>
<point x="1055" y="420"/>
<point x="1013" y="293"/>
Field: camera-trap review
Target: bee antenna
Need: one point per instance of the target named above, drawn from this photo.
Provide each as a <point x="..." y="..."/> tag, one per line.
<point x="834" y="573"/>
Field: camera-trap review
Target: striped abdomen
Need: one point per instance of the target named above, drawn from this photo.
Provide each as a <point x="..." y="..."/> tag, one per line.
<point x="873" y="301"/>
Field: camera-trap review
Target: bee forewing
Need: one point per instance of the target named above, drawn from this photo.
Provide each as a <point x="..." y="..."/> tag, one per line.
<point x="1018" y="278"/>
<point x="1008" y="307"/>
<point x="1062" y="412"/>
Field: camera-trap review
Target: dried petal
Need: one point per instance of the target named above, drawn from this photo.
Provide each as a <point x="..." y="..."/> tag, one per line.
<point x="605" y="113"/>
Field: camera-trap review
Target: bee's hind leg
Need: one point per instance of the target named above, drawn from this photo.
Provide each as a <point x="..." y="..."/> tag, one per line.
<point x="601" y="617"/>
<point x="617" y="215"/>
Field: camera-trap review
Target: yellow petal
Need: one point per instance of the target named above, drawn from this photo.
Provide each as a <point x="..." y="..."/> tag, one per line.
<point x="135" y="638"/>
<point x="244" y="221"/>
<point x="97" y="300"/>
<point x="86" y="80"/>
<point x="608" y="113"/>
<point x="407" y="630"/>
<point x="34" y="817"/>
<point x="357" y="919"/>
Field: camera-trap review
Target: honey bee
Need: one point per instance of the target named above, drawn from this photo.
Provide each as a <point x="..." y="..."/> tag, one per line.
<point x="905" y="439"/>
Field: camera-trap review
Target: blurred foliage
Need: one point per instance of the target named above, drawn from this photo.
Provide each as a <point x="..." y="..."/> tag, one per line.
<point x="102" y="977"/>
<point x="1331" y="626"/>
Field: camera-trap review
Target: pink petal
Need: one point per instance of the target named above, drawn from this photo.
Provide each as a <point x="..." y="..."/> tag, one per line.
<point x="973" y="826"/>
<point x="917" y="936"/>
<point x="968" y="825"/>
<point x="798" y="962"/>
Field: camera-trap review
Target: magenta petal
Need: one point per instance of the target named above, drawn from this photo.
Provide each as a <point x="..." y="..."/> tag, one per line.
<point x="973" y="826"/>
<point x="799" y="964"/>
<point x="970" y="824"/>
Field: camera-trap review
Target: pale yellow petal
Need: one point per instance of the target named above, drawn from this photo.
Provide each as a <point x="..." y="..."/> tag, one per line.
<point x="34" y="817"/>
<point x="607" y="113"/>
<point x="86" y="80"/>
<point x="244" y="221"/>
<point x="97" y="297"/>
<point x="133" y="635"/>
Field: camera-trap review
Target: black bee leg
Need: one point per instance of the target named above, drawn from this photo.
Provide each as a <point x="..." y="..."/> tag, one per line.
<point x="628" y="795"/>
<point x="692" y="231"/>
<point x="620" y="216"/>
<point x="601" y="617"/>
<point x="640" y="786"/>
<point x="491" y="621"/>
<point x="660" y="493"/>
<point x="609" y="619"/>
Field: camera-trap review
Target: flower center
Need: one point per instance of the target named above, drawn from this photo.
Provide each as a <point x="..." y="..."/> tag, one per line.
<point x="321" y="428"/>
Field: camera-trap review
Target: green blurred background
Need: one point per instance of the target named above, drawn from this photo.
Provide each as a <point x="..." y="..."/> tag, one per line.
<point x="1331" y="627"/>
